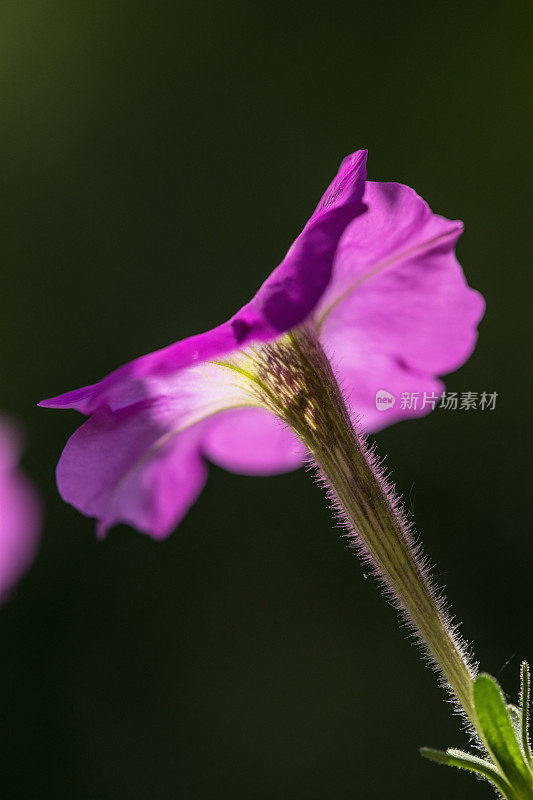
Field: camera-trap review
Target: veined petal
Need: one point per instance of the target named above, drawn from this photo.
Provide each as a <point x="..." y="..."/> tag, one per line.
<point x="398" y="308"/>
<point x="287" y="297"/>
<point x="145" y="464"/>
<point x="131" y="466"/>
<point x="142" y="464"/>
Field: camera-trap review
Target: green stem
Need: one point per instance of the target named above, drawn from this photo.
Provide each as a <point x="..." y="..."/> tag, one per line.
<point x="373" y="513"/>
<point x="370" y="513"/>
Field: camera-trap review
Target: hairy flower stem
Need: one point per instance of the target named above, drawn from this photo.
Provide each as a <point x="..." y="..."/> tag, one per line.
<point x="305" y="393"/>
<point x="371" y="515"/>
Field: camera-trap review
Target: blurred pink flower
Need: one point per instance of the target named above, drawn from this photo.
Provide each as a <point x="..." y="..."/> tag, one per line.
<point x="20" y="512"/>
<point x="374" y="271"/>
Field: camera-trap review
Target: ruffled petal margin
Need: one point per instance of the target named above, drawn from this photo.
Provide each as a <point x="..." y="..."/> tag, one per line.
<point x="398" y="312"/>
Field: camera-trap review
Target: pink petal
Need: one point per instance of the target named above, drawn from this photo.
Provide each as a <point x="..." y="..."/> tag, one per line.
<point x="253" y="442"/>
<point x="132" y="466"/>
<point x="287" y="297"/>
<point x="146" y="376"/>
<point x="398" y="307"/>
<point x="140" y="466"/>
<point x="363" y="378"/>
<point x="20" y="513"/>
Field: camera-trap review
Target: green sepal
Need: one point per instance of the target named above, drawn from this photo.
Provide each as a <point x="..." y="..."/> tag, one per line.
<point x="461" y="760"/>
<point x="516" y="717"/>
<point x="524" y="712"/>
<point x="500" y="737"/>
<point x="504" y="730"/>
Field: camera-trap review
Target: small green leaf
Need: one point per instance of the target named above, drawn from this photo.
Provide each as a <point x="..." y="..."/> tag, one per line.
<point x="500" y="736"/>
<point x="461" y="760"/>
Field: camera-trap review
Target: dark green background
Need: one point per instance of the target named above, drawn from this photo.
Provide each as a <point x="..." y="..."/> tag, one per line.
<point x="156" y="161"/>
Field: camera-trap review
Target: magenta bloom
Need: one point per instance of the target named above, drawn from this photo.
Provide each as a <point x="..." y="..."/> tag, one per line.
<point x="374" y="270"/>
<point x="20" y="513"/>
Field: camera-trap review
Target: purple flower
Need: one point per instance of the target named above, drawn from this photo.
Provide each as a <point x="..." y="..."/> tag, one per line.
<point x="373" y="271"/>
<point x="20" y="513"/>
